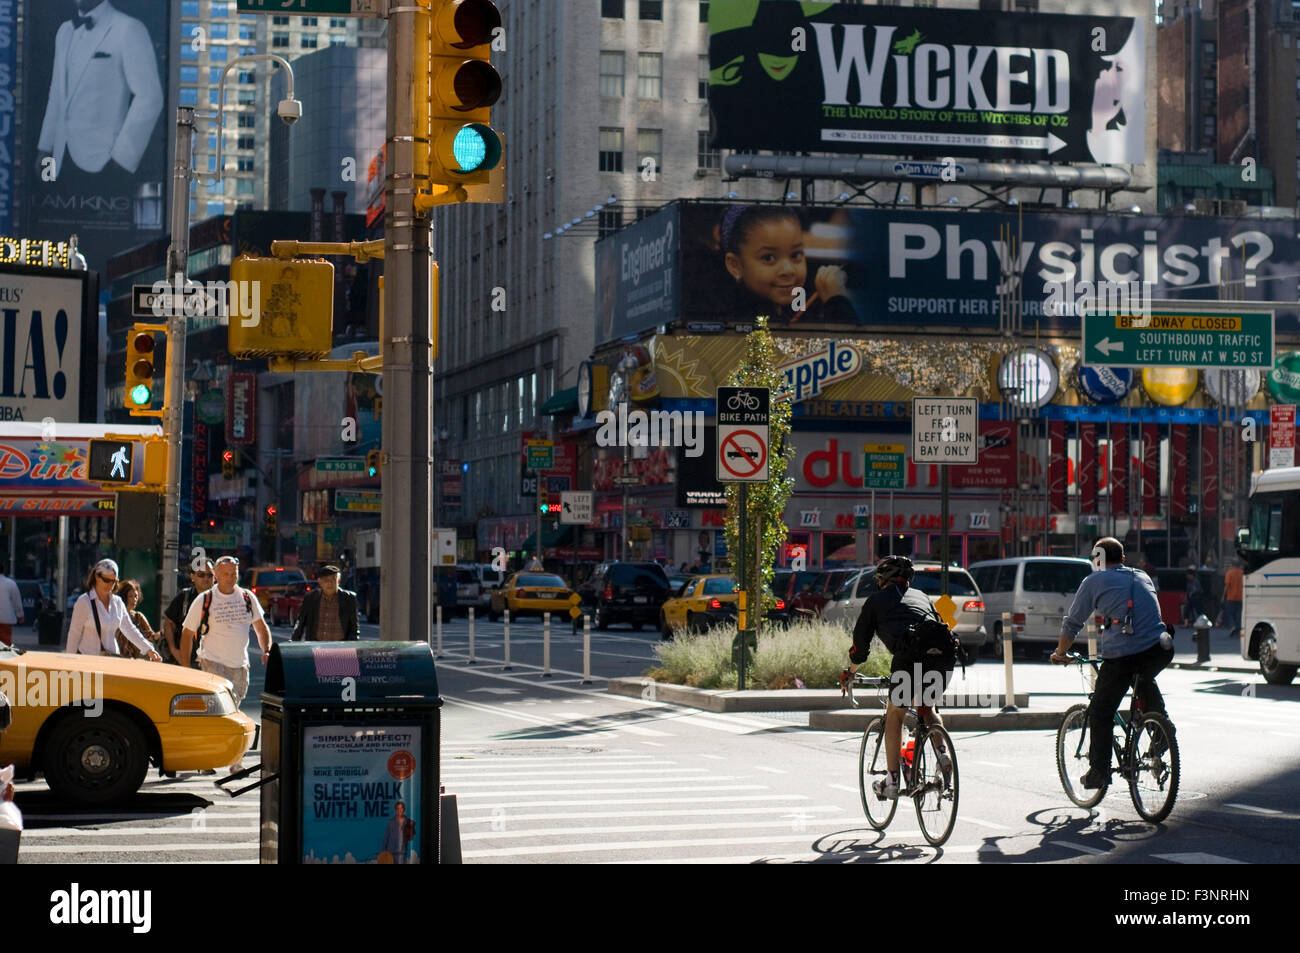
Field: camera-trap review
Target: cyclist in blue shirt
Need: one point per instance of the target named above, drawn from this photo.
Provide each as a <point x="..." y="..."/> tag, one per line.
<point x="1133" y="642"/>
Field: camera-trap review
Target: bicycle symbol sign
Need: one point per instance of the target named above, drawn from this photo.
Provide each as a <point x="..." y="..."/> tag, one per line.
<point x="743" y="416"/>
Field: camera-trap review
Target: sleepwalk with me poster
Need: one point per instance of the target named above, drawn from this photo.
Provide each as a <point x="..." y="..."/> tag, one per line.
<point x="883" y="80"/>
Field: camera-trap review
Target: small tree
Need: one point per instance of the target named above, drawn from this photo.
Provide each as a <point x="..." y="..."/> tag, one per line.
<point x="767" y="500"/>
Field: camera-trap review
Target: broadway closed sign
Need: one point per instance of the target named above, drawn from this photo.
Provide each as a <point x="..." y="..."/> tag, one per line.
<point x="885" y="80"/>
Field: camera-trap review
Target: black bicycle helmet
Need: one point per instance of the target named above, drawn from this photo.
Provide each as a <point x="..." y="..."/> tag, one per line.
<point x="894" y="569"/>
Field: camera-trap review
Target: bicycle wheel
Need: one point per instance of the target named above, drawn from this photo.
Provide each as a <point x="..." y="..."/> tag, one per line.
<point x="1072" y="757"/>
<point x="872" y="766"/>
<point x="1153" y="758"/>
<point x="936" y="789"/>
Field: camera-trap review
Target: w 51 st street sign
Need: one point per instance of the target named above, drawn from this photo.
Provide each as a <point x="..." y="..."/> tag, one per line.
<point x="1191" y="338"/>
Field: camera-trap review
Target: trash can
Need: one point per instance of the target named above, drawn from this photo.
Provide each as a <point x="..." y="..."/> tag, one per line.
<point x="350" y="747"/>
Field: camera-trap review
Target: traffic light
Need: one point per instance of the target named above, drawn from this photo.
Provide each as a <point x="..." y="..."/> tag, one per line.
<point x="543" y="497"/>
<point x="462" y="87"/>
<point x="228" y="464"/>
<point x="372" y="463"/>
<point x="272" y="520"/>
<point x="141" y="351"/>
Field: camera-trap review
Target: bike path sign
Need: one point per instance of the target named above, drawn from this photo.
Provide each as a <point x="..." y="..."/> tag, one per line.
<point x="743" y="418"/>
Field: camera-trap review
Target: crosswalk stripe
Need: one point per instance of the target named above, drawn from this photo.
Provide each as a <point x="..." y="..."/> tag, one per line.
<point x="622" y="760"/>
<point x="132" y="831"/>
<point x="632" y="829"/>
<point x="610" y="802"/>
<point x="185" y="817"/>
<point x="582" y="772"/>
<point x="697" y="812"/>
<point x="127" y="848"/>
<point x="800" y="858"/>
<point x="695" y="788"/>
<point x="590" y="779"/>
<point x="619" y="726"/>
<point x="696" y="843"/>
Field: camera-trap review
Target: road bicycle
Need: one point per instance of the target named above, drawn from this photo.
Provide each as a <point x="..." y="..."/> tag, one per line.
<point x="932" y="789"/>
<point x="1146" y="753"/>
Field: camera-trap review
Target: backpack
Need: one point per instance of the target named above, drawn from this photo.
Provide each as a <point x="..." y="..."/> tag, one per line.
<point x="938" y="645"/>
<point x="207" y="606"/>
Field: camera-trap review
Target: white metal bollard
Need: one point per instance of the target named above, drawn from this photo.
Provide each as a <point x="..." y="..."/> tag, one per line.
<point x="586" y="649"/>
<point x="472" y="660"/>
<point x="1007" y="652"/>
<point x="507" y="617"/>
<point x="438" y="613"/>
<point x="546" y="645"/>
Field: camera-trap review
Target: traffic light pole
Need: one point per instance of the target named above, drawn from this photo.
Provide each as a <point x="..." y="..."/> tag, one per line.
<point x="173" y="391"/>
<point x="406" y="539"/>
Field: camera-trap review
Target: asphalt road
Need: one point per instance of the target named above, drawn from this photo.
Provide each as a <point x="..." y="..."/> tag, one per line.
<point x="552" y="770"/>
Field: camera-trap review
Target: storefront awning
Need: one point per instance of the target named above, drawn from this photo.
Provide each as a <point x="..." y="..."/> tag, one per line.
<point x="550" y="538"/>
<point x="562" y="402"/>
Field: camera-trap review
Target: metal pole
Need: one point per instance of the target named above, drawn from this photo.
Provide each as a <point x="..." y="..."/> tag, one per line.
<point x="62" y="572"/>
<point x="472" y="660"/>
<point x="546" y="645"/>
<point x="507" y="666"/>
<point x="871" y="532"/>
<point x="891" y="522"/>
<point x="741" y="617"/>
<point x="405" y="564"/>
<point x="537" y="538"/>
<point x="438" y="625"/>
<point x="943" y="528"/>
<point x="279" y="485"/>
<point x="1008" y="651"/>
<point x="13" y="547"/>
<point x="586" y="649"/>
<point x="173" y="396"/>
<point x="623" y="553"/>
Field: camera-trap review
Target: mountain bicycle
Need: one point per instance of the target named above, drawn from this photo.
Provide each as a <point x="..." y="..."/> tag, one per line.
<point x="1146" y="754"/>
<point x="932" y="790"/>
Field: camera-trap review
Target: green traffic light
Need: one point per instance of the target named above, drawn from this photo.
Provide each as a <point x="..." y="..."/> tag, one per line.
<point x="141" y="395"/>
<point x="476" y="148"/>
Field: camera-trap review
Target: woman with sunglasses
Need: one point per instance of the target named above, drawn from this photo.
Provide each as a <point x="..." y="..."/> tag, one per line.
<point x="99" y="615"/>
<point x="132" y="596"/>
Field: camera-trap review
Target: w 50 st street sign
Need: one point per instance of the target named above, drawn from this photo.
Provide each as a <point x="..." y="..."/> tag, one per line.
<point x="1191" y="338"/>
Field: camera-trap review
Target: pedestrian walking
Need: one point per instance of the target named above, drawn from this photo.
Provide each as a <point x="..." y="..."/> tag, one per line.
<point x="11" y="605"/>
<point x="132" y="595"/>
<point x="1194" y="597"/>
<point x="98" y="615"/>
<point x="219" y="620"/>
<point x="200" y="582"/>
<point x="329" y="613"/>
<point x="1233" y="583"/>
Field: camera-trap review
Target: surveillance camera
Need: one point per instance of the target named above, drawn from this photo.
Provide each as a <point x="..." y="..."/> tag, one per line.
<point x="290" y="110"/>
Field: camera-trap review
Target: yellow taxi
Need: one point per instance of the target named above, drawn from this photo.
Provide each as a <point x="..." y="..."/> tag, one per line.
<point x="704" y="602"/>
<point x="93" y="724"/>
<point x="530" y="593"/>
<point x="267" y="581"/>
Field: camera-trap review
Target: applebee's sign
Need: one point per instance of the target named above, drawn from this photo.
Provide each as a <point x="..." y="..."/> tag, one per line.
<point x="241" y="397"/>
<point x="806" y="376"/>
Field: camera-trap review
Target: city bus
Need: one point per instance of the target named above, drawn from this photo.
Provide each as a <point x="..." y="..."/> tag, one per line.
<point x="1270" y="546"/>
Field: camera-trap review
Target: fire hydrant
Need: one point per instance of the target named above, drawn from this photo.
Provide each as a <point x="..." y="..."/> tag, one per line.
<point x="1202" y="629"/>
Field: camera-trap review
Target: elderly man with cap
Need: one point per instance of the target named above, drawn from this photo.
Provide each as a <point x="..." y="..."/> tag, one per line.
<point x="98" y="615"/>
<point x="329" y="614"/>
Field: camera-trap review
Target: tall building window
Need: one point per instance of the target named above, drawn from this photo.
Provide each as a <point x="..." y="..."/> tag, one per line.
<point x="246" y="142"/>
<point x="308" y="41"/>
<point x="280" y="21"/>
<point x="214" y="74"/>
<point x="219" y="31"/>
<point x="338" y="23"/>
<point x="217" y="54"/>
<point x="244" y="187"/>
<point x="650" y="75"/>
<point x="704" y="77"/>
<point x="214" y="96"/>
<point x="219" y="8"/>
<point x="612" y="67"/>
<point x="608" y="222"/>
<point x="216" y="208"/>
<point x="189" y="74"/>
<point x="704" y="11"/>
<point x="308" y="21"/>
<point x="246" y="165"/>
<point x="247" y="121"/>
<point x="338" y="41"/>
<point x="612" y="9"/>
<point x="650" y="145"/>
<point x="246" y="31"/>
<point x="707" y="157"/>
<point x="190" y="8"/>
<point x="611" y="150"/>
<point x="279" y="40"/>
<point x="247" y="98"/>
<point x="247" y="76"/>
<point x="189" y="96"/>
<point x="652" y="10"/>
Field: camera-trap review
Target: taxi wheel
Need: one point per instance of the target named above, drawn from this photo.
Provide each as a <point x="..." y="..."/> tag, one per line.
<point x="95" y="760"/>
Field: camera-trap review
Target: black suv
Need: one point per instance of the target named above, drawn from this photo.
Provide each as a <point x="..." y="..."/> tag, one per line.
<point x="627" y="592"/>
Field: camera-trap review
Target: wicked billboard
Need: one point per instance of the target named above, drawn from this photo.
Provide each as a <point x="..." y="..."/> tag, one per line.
<point x="835" y="267"/>
<point x="97" y="151"/>
<point x="832" y="77"/>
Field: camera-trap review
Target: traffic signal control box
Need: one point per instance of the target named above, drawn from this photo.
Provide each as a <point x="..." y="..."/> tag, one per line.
<point x="292" y="305"/>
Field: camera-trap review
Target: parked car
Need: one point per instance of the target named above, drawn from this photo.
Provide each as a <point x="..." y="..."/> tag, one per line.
<point x="488" y="579"/>
<point x="469" y="588"/>
<point x="1036" y="590"/>
<point x="287" y="606"/>
<point x="788" y="585"/>
<point x="627" y="592"/>
<point x="677" y="582"/>
<point x="180" y="719"/>
<point x="266" y="581"/>
<point x="846" y="605"/>
<point x="705" y="601"/>
<point x="530" y="593"/>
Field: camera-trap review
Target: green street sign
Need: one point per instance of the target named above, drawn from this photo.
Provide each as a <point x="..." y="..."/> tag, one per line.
<point x="341" y="465"/>
<point x="335" y="8"/>
<point x="540" y="456"/>
<point x="1183" y="338"/>
<point x="215" y="540"/>
<point x="333" y="534"/>
<point x="358" y="501"/>
<point x="884" y="467"/>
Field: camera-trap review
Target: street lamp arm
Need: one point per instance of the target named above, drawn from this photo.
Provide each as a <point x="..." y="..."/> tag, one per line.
<point x="221" y="102"/>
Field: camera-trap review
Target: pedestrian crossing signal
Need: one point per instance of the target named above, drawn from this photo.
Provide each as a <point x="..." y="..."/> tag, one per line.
<point x="110" y="461"/>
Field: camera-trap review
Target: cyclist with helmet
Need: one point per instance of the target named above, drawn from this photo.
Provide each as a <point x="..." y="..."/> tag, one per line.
<point x="893" y="614"/>
<point x="1134" y="643"/>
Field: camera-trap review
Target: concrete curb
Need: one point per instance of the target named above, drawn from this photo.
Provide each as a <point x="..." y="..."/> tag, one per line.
<point x="1238" y="667"/>
<point x="785" y="700"/>
<point x="990" y="719"/>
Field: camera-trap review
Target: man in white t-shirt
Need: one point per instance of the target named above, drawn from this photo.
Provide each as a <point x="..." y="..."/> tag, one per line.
<point x="229" y="611"/>
<point x="11" y="605"/>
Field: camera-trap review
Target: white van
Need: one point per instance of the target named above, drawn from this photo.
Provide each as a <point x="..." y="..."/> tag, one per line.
<point x="1036" y="590"/>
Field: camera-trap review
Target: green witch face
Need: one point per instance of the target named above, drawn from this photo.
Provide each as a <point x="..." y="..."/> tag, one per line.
<point x="728" y="15"/>
<point x="778" y="67"/>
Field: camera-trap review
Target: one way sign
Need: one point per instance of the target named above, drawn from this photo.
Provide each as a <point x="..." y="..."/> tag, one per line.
<point x="575" y="507"/>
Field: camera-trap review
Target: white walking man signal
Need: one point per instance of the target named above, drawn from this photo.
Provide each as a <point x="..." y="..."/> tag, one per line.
<point x="119" y="463"/>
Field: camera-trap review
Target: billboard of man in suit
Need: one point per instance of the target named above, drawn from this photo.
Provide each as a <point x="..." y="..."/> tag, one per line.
<point x="101" y="151"/>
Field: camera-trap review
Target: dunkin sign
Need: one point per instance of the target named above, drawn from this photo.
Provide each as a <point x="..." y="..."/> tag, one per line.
<point x="806" y="376"/>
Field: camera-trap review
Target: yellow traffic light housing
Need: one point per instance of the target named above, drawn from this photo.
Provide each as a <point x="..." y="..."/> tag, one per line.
<point x="292" y="301"/>
<point x="140" y="371"/>
<point x="272" y="520"/>
<point x="373" y="467"/>
<point x="228" y="464"/>
<point x="462" y="86"/>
